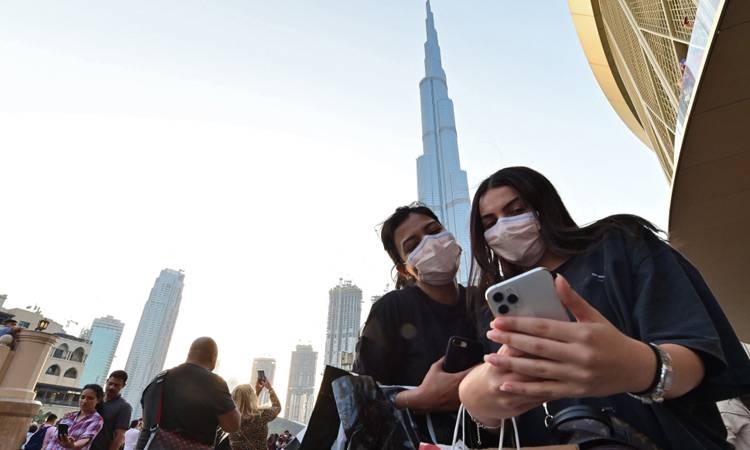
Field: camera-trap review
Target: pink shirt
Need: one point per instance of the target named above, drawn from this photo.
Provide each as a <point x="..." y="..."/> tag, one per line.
<point x="78" y="428"/>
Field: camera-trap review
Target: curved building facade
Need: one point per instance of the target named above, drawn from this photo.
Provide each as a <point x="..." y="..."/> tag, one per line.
<point x="676" y="73"/>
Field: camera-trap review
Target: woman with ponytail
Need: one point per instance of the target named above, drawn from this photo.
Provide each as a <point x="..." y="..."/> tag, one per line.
<point x="406" y="334"/>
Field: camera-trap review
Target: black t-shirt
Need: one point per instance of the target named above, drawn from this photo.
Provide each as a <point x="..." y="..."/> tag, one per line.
<point x="405" y="333"/>
<point x="116" y="415"/>
<point x="194" y="397"/>
<point x="651" y="293"/>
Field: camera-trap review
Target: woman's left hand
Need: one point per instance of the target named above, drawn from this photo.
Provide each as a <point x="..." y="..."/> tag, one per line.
<point x="67" y="441"/>
<point x="587" y="358"/>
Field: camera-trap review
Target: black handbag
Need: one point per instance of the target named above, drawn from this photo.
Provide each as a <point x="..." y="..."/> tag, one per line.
<point x="591" y="429"/>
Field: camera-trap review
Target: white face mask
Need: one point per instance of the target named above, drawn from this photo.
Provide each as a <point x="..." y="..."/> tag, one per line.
<point x="516" y="239"/>
<point x="436" y="258"/>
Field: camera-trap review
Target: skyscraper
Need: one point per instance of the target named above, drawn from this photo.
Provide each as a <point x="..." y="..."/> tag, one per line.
<point x="441" y="183"/>
<point x="267" y="365"/>
<point x="300" y="394"/>
<point x="154" y="333"/>
<point x="104" y="335"/>
<point x="344" y="309"/>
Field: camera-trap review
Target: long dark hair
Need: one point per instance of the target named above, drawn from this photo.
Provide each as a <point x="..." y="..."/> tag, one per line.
<point x="98" y="392"/>
<point x="559" y="231"/>
<point x="387" y="236"/>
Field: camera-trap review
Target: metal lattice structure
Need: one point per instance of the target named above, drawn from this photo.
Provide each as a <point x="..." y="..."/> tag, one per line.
<point x="647" y="40"/>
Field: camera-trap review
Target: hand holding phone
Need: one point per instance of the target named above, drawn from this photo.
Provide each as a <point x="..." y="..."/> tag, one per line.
<point x="530" y="294"/>
<point x="62" y="430"/>
<point x="262" y="376"/>
<point x="461" y="354"/>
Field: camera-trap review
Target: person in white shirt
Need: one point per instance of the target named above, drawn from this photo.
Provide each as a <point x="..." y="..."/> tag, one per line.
<point x="131" y="436"/>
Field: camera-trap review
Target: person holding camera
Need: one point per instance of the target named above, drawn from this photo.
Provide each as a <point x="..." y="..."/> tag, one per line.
<point x="650" y="350"/>
<point x="408" y="329"/>
<point x="254" y="426"/>
<point x="77" y="430"/>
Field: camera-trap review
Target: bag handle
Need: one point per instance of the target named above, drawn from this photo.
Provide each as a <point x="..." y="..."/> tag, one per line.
<point x="515" y="434"/>
<point x="460" y="419"/>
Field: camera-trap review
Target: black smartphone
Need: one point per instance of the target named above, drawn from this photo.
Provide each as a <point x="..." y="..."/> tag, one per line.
<point x="462" y="353"/>
<point x="62" y="429"/>
<point x="261" y="375"/>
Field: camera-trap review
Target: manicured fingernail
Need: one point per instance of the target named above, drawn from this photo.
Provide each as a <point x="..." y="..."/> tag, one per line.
<point x="491" y="358"/>
<point x="506" y="387"/>
<point x="495" y="335"/>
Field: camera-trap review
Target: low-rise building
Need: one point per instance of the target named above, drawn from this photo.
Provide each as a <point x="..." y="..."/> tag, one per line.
<point x="58" y="387"/>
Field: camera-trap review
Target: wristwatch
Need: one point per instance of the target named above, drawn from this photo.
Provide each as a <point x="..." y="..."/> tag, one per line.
<point x="662" y="378"/>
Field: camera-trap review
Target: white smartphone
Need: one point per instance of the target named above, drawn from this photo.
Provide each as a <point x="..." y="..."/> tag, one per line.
<point x="531" y="294"/>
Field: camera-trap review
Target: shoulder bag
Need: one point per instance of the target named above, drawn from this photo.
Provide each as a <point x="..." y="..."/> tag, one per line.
<point x="161" y="439"/>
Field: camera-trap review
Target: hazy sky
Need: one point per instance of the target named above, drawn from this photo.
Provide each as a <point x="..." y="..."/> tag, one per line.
<point x="257" y="144"/>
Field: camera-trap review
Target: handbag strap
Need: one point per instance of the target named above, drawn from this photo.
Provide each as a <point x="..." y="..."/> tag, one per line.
<point x="159" y="384"/>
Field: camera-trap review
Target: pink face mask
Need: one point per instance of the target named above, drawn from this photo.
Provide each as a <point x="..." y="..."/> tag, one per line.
<point x="516" y="239"/>
<point x="436" y="258"/>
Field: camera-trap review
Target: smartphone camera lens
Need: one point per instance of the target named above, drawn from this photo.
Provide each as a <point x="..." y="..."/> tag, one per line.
<point x="497" y="296"/>
<point x="512" y="298"/>
<point x="503" y="309"/>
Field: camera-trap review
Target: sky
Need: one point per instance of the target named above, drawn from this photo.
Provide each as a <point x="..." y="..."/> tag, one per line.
<point x="257" y="145"/>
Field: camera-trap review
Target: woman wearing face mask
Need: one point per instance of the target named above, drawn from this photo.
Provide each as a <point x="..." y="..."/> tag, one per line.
<point x="406" y="333"/>
<point x="649" y="343"/>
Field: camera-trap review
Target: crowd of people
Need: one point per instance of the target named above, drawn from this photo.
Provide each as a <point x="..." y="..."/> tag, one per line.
<point x="100" y="423"/>
<point x="188" y="403"/>
<point x="277" y="441"/>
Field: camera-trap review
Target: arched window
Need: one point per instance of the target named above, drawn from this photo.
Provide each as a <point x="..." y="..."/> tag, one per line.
<point x="71" y="373"/>
<point x="53" y="370"/>
<point x="61" y="351"/>
<point x="77" y="355"/>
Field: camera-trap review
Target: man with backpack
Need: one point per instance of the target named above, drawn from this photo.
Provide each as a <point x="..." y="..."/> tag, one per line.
<point x="36" y="439"/>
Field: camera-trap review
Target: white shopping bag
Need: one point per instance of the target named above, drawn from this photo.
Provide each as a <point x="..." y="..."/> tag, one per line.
<point x="458" y="444"/>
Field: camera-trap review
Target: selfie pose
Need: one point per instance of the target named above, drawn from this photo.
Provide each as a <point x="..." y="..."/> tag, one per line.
<point x="646" y="350"/>
<point x="77" y="429"/>
<point x="254" y="427"/>
<point x="406" y="334"/>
